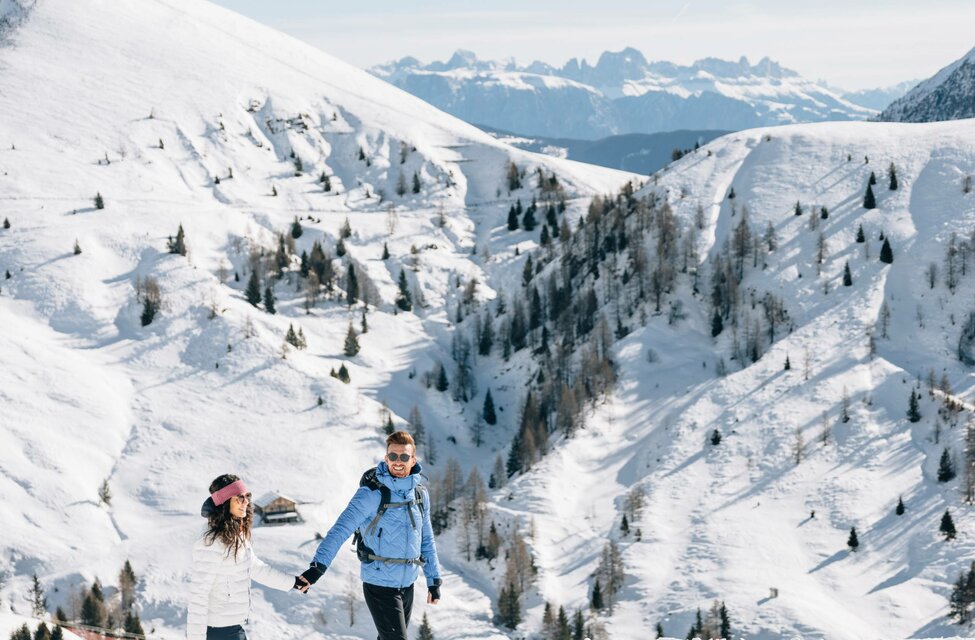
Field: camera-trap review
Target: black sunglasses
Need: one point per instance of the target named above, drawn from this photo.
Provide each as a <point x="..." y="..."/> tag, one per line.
<point x="402" y="457"/>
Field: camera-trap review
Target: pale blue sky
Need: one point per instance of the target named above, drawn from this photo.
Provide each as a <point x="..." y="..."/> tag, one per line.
<point x="850" y="44"/>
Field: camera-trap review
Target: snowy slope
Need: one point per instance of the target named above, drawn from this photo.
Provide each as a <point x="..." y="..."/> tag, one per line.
<point x="947" y="95"/>
<point x="89" y="394"/>
<point x="621" y="93"/>
<point x="732" y="521"/>
<point x="178" y="112"/>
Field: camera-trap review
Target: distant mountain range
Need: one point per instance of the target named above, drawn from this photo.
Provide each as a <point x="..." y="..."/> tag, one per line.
<point x="624" y="93"/>
<point x="947" y="95"/>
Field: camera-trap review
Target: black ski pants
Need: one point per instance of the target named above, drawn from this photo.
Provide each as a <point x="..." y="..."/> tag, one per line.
<point x="235" y="632"/>
<point x="390" y="608"/>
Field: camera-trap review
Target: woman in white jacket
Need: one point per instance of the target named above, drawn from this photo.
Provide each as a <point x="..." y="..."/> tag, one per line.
<point x="224" y="565"/>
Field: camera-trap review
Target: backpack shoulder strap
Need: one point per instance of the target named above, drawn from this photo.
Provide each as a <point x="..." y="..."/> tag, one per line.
<point x="371" y="482"/>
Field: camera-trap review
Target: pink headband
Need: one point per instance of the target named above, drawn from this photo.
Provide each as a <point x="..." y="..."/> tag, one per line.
<point x="228" y="492"/>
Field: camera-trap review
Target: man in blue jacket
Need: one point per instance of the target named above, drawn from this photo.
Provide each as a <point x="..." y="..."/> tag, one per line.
<point x="390" y="517"/>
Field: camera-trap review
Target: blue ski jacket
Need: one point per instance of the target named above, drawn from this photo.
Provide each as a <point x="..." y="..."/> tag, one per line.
<point x="402" y="532"/>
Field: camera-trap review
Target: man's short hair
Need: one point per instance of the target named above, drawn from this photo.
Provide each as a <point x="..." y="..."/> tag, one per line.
<point x="400" y="437"/>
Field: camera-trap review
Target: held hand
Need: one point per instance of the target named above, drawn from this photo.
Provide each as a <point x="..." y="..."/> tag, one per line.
<point x="302" y="584"/>
<point x="310" y="576"/>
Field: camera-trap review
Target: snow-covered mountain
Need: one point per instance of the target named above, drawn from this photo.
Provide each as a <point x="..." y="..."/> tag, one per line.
<point x="181" y="113"/>
<point x="879" y="98"/>
<point x="621" y="93"/>
<point x="947" y="95"/>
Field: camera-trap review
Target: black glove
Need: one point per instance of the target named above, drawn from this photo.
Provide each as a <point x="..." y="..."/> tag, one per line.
<point x="314" y="571"/>
<point x="434" y="589"/>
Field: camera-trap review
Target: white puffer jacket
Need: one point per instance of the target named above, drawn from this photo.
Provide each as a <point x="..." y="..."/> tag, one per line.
<point x="220" y="586"/>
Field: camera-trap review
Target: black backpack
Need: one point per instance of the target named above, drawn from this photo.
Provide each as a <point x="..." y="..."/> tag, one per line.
<point x="371" y="482"/>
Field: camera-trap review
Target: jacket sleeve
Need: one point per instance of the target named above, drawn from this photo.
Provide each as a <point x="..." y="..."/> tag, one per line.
<point x="364" y="503"/>
<point x="269" y="576"/>
<point x="428" y="547"/>
<point x="206" y="560"/>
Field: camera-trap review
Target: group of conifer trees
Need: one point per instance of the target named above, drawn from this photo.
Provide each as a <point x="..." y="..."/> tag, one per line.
<point x="89" y="607"/>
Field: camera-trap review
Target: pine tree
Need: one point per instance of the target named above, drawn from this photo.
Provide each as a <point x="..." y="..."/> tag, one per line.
<point x="725" y="619"/>
<point x="528" y="220"/>
<point x="132" y="624"/>
<point x="872" y="180"/>
<point x="93" y="611"/>
<point x="426" y="633"/>
<point x="715" y="438"/>
<point x="416" y="182"/>
<point x="513" y="219"/>
<point x="77" y="247"/>
<point x="892" y="173"/>
<point x="105" y="493"/>
<point x="57" y="634"/>
<point x="514" y="177"/>
<point x="296" y="230"/>
<point x="596" y="601"/>
<point x="913" y="411"/>
<point x="6" y="223"/>
<point x="22" y="633"/>
<point x="351" y="286"/>
<point x="99" y="201"/>
<point x="527" y="272"/>
<point x="38" y="603"/>
<point x="717" y="324"/>
<point x="946" y="467"/>
<point x="869" y="201"/>
<point x="127" y="581"/>
<point x="274" y="191"/>
<point x="947" y="526"/>
<point x="177" y="246"/>
<point x="798" y="208"/>
<point x="269" y="300"/>
<point x="853" y="542"/>
<point x="351" y="342"/>
<point x="296" y="340"/>
<point x="340" y="249"/>
<point x="403" y="298"/>
<point x="442" y="383"/>
<point x="343" y="374"/>
<point x="488" y="412"/>
<point x="847" y="276"/>
<point x="400" y="185"/>
<point x="900" y="506"/>
<point x="659" y="631"/>
<point x="788" y="363"/>
<point x="731" y="193"/>
<point x="385" y="252"/>
<point x="253" y="291"/>
<point x="823" y="213"/>
<point x="861" y="238"/>
<point x="578" y="626"/>
<point x="886" y="253"/>
<point x="624" y="526"/>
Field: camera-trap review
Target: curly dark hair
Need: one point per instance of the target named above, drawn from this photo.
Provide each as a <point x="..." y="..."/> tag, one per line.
<point x="229" y="530"/>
